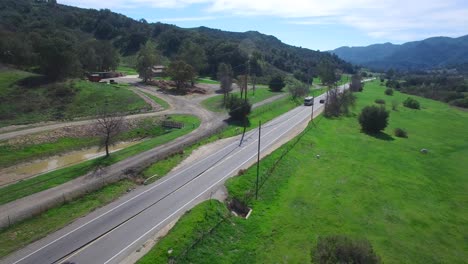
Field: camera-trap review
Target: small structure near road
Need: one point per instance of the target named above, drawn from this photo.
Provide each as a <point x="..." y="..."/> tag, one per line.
<point x="98" y="76"/>
<point x="158" y="70"/>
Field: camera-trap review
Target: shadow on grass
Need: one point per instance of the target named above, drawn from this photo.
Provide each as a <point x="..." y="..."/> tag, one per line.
<point x="239" y="123"/>
<point x="380" y="135"/>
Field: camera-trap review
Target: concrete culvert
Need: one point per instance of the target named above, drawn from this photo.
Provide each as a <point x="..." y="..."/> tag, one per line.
<point x="239" y="208"/>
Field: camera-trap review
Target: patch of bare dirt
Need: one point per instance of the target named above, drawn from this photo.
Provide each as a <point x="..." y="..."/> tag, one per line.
<point x="88" y="130"/>
<point x="203" y="151"/>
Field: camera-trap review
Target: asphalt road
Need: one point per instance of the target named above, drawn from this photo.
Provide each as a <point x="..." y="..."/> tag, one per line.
<point x="108" y="235"/>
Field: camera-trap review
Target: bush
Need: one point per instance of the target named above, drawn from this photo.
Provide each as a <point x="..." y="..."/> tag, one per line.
<point x="277" y="83"/>
<point x="411" y="103"/>
<point x="460" y="102"/>
<point x="389" y="91"/>
<point x="239" y="109"/>
<point x="341" y="249"/>
<point x="373" y="119"/>
<point x="379" y="101"/>
<point x="400" y="133"/>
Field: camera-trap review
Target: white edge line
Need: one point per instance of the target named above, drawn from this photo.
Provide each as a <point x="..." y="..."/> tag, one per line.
<point x="127" y="201"/>
<point x="180" y="208"/>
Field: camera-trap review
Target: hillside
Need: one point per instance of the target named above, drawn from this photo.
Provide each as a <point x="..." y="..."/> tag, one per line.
<point x="437" y="52"/>
<point x="29" y="28"/>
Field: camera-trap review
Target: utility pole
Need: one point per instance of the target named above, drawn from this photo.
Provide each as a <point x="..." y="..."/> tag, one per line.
<point x="258" y="158"/>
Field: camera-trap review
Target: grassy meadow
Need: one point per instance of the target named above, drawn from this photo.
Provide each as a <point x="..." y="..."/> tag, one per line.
<point x="412" y="207"/>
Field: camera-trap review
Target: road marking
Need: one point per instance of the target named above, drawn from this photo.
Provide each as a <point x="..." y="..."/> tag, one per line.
<point x="207" y="189"/>
<point x="286" y="115"/>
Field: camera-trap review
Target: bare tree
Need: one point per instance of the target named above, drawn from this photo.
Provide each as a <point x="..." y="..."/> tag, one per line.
<point x="225" y="79"/>
<point x="109" y="126"/>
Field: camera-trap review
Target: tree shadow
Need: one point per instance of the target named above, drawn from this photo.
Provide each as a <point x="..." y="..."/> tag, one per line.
<point x="34" y="81"/>
<point x="380" y="135"/>
<point x="239" y="123"/>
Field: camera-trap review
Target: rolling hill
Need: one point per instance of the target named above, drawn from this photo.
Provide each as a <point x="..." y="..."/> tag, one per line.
<point x="431" y="53"/>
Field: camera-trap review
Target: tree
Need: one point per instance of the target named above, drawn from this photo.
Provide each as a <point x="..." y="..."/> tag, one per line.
<point x="296" y="88"/>
<point x="327" y="73"/>
<point x="277" y="83"/>
<point x="338" y="102"/>
<point x="411" y="103"/>
<point x="147" y="58"/>
<point x="297" y="91"/>
<point x="225" y="78"/>
<point x="194" y="55"/>
<point x="255" y="69"/>
<point x="373" y="119"/>
<point x="341" y="249"/>
<point x="242" y="83"/>
<point x="58" y="58"/>
<point x="356" y="84"/>
<point x="239" y="109"/>
<point x="109" y="126"/>
<point x="181" y="73"/>
<point x="389" y="91"/>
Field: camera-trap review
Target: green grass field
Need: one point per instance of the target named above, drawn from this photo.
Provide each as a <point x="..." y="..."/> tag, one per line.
<point x="58" y="101"/>
<point x="55" y="178"/>
<point x="215" y="103"/>
<point x="411" y="206"/>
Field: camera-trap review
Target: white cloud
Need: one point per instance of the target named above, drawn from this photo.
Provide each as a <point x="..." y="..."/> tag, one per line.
<point x="392" y="19"/>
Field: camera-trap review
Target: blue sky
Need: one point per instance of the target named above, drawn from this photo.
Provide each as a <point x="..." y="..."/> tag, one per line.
<point x="313" y="24"/>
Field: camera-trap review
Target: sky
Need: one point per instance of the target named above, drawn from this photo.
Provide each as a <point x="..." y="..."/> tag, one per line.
<point x="314" y="24"/>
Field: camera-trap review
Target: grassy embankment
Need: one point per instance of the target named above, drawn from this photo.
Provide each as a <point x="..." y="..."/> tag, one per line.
<point x="411" y="206"/>
<point x="158" y="100"/>
<point x="55" y="178"/>
<point x="57" y="101"/>
<point x="215" y="103"/>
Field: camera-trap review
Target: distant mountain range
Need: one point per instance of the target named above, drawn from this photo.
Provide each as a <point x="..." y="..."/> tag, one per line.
<point x="437" y="52"/>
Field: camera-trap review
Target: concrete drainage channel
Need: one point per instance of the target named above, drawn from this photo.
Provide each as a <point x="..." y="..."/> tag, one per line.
<point x="240" y="209"/>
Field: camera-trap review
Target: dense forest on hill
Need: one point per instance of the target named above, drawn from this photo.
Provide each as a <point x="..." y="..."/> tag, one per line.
<point x="62" y="41"/>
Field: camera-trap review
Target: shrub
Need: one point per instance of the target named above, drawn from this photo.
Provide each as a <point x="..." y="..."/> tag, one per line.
<point x="277" y="83"/>
<point x="373" y="119"/>
<point x="341" y="249"/>
<point x="389" y="91"/>
<point x="411" y="103"/>
<point x="379" y="101"/>
<point x="460" y="102"/>
<point x="239" y="109"/>
<point x="400" y="133"/>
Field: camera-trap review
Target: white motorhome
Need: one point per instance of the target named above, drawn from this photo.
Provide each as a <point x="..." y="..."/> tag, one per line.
<point x="308" y="101"/>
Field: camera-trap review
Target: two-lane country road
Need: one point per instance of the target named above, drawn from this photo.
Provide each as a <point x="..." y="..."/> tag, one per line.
<point x="111" y="233"/>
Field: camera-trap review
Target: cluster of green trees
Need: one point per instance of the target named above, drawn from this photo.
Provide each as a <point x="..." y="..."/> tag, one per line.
<point x="452" y="89"/>
<point x="91" y="40"/>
